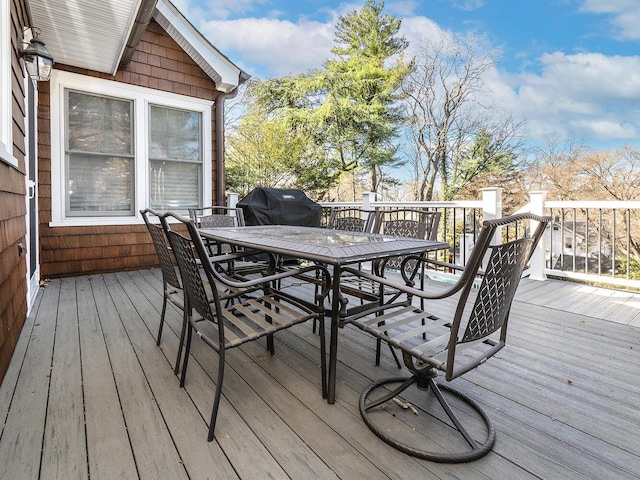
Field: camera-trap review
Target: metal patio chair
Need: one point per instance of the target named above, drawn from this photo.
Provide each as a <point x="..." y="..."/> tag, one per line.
<point x="351" y="219"/>
<point x="171" y="285"/>
<point x="455" y="341"/>
<point x="217" y="216"/>
<point x="397" y="222"/>
<point x="249" y="318"/>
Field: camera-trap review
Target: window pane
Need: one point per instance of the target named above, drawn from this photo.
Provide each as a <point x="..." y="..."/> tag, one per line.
<point x="174" y="185"/>
<point x="98" y="183"/>
<point x="100" y="163"/>
<point x="175" y="134"/>
<point x="99" y="124"/>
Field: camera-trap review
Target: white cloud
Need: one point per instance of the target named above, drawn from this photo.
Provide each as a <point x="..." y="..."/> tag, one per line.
<point x="272" y="46"/>
<point x="587" y="94"/>
<point x="467" y="5"/>
<point x="417" y="29"/>
<point x="625" y="16"/>
<point x="402" y="8"/>
<point x="606" y="129"/>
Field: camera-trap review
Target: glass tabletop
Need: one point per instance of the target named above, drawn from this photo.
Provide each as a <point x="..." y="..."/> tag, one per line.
<point x="314" y="243"/>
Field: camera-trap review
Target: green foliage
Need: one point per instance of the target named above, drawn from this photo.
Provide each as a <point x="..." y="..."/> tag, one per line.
<point x="338" y="119"/>
<point x="486" y="156"/>
<point x="634" y="269"/>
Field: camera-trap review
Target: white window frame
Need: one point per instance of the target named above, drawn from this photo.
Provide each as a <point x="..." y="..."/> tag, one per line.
<point x="6" y="115"/>
<point x="142" y="97"/>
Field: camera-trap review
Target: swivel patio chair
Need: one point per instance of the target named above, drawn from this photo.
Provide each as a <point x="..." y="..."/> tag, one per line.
<point x="222" y="328"/>
<point x="455" y="341"/>
<point x="216" y="217"/>
<point x="405" y="222"/>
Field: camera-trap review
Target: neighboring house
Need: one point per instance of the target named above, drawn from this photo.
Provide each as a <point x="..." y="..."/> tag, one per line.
<point x="132" y="117"/>
<point x="574" y="244"/>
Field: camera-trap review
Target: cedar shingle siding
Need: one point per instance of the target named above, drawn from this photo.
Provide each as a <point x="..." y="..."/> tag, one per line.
<point x="158" y="63"/>
<point x="13" y="268"/>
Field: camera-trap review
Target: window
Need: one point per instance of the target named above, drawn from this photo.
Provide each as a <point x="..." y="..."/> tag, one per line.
<point x="118" y="148"/>
<point x="99" y="156"/>
<point x="6" y="117"/>
<point x="175" y="154"/>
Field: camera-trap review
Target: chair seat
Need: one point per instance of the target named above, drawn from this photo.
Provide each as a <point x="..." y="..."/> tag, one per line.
<point x="247" y="320"/>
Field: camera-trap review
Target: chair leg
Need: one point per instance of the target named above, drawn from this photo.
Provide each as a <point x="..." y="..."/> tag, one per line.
<point x="164" y="310"/>
<point x="185" y="360"/>
<point x="323" y="357"/>
<point x="216" y="400"/>
<point x="477" y="450"/>
<point x="185" y="320"/>
<point x="270" y="344"/>
<point x="393" y="353"/>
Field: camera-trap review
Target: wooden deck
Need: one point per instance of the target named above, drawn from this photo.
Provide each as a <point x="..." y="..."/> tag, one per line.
<point x="90" y="395"/>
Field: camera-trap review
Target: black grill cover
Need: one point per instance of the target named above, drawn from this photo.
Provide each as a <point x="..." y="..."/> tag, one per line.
<point x="280" y="206"/>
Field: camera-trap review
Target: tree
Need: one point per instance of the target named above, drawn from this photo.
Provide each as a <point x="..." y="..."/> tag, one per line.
<point x="454" y="137"/>
<point x="265" y="151"/>
<point x="370" y="70"/>
<point x="349" y="108"/>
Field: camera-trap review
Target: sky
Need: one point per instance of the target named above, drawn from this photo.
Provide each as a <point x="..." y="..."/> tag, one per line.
<point x="568" y="68"/>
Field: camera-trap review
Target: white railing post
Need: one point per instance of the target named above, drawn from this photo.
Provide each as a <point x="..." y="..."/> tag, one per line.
<point x="539" y="258"/>
<point x="367" y="199"/>
<point x="232" y="201"/>
<point x="491" y="203"/>
<point x="491" y="209"/>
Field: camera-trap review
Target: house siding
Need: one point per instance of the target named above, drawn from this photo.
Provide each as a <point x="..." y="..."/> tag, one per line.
<point x="158" y="63"/>
<point x="13" y="228"/>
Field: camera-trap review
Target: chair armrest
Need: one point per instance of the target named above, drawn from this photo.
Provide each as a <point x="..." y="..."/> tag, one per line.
<point x="403" y="287"/>
<point x="431" y="261"/>
<point x="271" y="277"/>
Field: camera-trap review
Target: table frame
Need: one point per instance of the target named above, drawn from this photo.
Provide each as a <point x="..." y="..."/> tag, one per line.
<point x="330" y="247"/>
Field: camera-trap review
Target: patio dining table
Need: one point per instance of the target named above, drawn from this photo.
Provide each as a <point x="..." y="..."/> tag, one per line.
<point x="330" y="247"/>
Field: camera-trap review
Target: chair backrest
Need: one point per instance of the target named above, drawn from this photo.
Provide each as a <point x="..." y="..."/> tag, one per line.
<point x="183" y="249"/>
<point x="217" y="216"/>
<point x="408" y="222"/>
<point x="351" y="219"/>
<point x="160" y="242"/>
<point x="484" y="309"/>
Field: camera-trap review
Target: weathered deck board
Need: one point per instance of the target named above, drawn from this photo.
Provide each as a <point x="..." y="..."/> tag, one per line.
<point x="108" y="446"/>
<point x="65" y="403"/>
<point x="23" y="427"/>
<point x="90" y="395"/>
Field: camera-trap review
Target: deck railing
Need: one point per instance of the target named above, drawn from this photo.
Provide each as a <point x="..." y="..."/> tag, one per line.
<point x="588" y="241"/>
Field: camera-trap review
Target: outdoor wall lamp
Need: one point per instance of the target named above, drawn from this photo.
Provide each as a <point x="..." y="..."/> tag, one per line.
<point x="37" y="58"/>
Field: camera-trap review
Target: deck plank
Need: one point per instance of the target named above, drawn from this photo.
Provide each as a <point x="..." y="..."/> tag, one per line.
<point x="23" y="429"/>
<point x="65" y="413"/>
<point x="144" y="421"/>
<point x="108" y="445"/>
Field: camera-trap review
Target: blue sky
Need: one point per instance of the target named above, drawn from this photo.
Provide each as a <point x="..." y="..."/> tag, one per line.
<point x="570" y="68"/>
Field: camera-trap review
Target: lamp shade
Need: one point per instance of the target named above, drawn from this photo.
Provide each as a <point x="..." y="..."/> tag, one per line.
<point x="38" y="60"/>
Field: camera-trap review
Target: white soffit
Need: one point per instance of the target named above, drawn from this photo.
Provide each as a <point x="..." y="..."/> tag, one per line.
<point x="218" y="67"/>
<point x="88" y="34"/>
